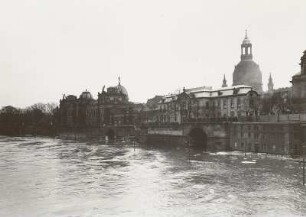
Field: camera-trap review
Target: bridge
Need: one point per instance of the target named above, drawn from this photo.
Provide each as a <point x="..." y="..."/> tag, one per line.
<point x="209" y="136"/>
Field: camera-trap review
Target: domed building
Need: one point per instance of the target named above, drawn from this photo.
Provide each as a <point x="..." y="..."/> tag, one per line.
<point x="299" y="87"/>
<point x="86" y="95"/>
<point x="111" y="115"/>
<point x="118" y="93"/>
<point x="299" y="80"/>
<point x="247" y="72"/>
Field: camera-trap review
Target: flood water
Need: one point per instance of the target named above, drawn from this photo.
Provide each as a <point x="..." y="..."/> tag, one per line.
<point x="53" y="177"/>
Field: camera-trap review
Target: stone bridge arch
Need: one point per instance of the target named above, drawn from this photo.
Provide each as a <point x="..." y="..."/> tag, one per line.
<point x="197" y="138"/>
<point x="210" y="137"/>
<point x="110" y="133"/>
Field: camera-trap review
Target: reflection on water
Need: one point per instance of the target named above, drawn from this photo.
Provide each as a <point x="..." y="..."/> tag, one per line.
<point x="52" y="177"/>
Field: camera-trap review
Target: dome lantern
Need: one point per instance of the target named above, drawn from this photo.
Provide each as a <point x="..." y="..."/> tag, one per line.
<point x="247" y="72"/>
<point x="246" y="48"/>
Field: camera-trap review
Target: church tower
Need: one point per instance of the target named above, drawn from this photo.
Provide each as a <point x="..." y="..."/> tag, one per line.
<point x="270" y="84"/>
<point x="247" y="72"/>
<point x="224" y="84"/>
<point x="246" y="48"/>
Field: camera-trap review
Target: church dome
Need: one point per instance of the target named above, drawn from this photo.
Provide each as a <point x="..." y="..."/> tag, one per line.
<point x="119" y="89"/>
<point x="122" y="89"/>
<point x="247" y="72"/>
<point x="86" y="95"/>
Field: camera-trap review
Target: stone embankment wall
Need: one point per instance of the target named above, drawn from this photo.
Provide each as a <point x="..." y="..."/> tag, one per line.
<point x="285" y="138"/>
<point x="166" y="141"/>
<point x="165" y="137"/>
<point x="283" y="118"/>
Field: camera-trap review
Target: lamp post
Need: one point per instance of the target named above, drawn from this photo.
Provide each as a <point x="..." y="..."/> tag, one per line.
<point x="51" y="126"/>
<point x="303" y="152"/>
<point x="303" y="170"/>
<point x="189" y="148"/>
<point x="22" y="128"/>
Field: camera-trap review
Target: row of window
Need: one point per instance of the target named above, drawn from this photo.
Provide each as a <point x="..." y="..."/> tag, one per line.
<point x="223" y="103"/>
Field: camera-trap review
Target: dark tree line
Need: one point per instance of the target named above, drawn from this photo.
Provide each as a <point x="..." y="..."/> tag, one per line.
<point x="277" y="103"/>
<point x="38" y="119"/>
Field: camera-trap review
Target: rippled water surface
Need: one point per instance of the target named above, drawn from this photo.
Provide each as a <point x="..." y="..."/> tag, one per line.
<point x="52" y="177"/>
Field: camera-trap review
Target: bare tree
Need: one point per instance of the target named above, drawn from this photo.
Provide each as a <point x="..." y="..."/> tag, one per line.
<point x="50" y="108"/>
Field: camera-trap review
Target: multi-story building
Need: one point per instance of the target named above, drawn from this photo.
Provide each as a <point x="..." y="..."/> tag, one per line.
<point x="207" y="104"/>
<point x="110" y="115"/>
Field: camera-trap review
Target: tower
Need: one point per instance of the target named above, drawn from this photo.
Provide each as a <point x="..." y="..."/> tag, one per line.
<point x="303" y="64"/>
<point x="246" y="48"/>
<point x="224" y="84"/>
<point x="247" y="72"/>
<point x="270" y="84"/>
<point x="299" y="81"/>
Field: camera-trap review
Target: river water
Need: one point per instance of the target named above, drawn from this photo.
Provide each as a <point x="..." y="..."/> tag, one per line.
<point x="53" y="177"/>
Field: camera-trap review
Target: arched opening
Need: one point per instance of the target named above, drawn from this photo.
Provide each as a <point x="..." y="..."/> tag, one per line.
<point x="110" y="135"/>
<point x="198" y="138"/>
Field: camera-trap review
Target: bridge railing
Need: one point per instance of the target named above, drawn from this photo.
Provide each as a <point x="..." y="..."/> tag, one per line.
<point x="283" y="118"/>
<point x="161" y="125"/>
<point x="262" y="118"/>
<point x="176" y="125"/>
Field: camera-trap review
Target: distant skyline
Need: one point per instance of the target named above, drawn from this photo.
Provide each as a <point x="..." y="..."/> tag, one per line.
<point x="49" y="48"/>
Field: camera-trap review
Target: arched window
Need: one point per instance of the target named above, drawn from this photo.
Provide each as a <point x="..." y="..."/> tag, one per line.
<point x="225" y="103"/>
<point x="238" y="103"/>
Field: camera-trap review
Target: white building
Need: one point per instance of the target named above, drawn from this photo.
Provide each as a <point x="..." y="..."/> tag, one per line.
<point x="205" y="103"/>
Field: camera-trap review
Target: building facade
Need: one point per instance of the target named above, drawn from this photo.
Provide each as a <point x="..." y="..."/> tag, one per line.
<point x="110" y="116"/>
<point x="207" y="104"/>
<point x="282" y="138"/>
<point x="299" y="86"/>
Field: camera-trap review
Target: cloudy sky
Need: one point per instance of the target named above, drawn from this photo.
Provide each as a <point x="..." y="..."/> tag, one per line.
<point x="52" y="47"/>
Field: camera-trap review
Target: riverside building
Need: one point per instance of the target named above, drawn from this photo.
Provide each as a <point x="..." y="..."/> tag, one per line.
<point x="207" y="104"/>
<point x="110" y="116"/>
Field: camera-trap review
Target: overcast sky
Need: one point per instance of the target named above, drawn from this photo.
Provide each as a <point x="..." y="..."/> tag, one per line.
<point x="52" y="47"/>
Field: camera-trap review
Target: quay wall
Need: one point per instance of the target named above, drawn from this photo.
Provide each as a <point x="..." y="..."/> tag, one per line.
<point x="166" y="141"/>
<point x="167" y="137"/>
<point x="284" y="138"/>
<point x="101" y="133"/>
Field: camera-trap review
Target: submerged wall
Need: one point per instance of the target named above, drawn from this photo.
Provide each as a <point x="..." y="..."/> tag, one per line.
<point x="267" y="137"/>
